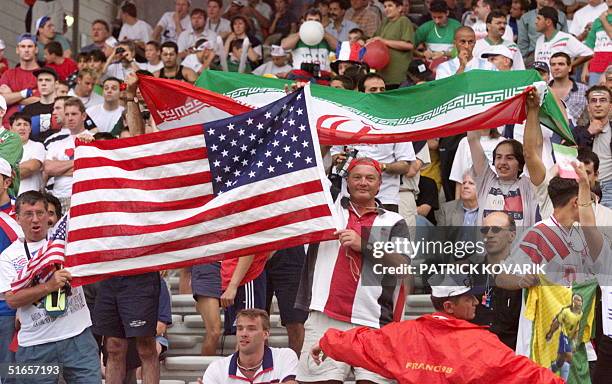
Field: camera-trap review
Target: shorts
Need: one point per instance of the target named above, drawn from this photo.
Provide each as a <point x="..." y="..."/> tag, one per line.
<point x="127" y="306"/>
<point x="565" y="344"/>
<point x="250" y="295"/>
<point x="283" y="271"/>
<point x="330" y="369"/>
<point x="206" y="280"/>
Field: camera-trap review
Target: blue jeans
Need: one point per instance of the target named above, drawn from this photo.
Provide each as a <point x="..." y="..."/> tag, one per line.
<point x="606" y="193"/>
<point x="7" y="328"/>
<point x="78" y="357"/>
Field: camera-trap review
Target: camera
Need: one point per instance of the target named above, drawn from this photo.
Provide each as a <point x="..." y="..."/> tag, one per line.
<point x="120" y="50"/>
<point x="313" y="68"/>
<point x="342" y="168"/>
<point x="146" y="114"/>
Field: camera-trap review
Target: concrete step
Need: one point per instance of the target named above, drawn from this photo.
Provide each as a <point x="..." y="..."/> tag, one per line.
<point x="186" y="368"/>
<point x="181" y="346"/>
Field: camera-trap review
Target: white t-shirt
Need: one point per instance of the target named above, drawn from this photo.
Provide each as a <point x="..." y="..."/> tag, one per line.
<point x="105" y="120"/>
<point x="279" y="365"/>
<point x="32" y="150"/>
<point x="150" y="67"/>
<point x="37" y="327"/>
<point x="191" y="61"/>
<point x="271" y="68"/>
<point x="169" y="28"/>
<point x="547" y="134"/>
<point x="63" y="150"/>
<point x="89" y="101"/>
<point x="517" y="59"/>
<point x="117" y="70"/>
<point x="223" y="26"/>
<point x="450" y="67"/>
<point x="384" y="153"/>
<point x="480" y="28"/>
<point x="560" y="42"/>
<point x="188" y="38"/>
<point x="463" y="156"/>
<point x="585" y="15"/>
<point x="141" y="30"/>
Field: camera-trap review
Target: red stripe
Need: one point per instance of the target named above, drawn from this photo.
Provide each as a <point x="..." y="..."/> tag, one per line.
<point x="509" y="111"/>
<point x="312" y="237"/>
<point x="8" y="230"/>
<point x="139" y="163"/>
<point x="200" y="240"/>
<point x="533" y="254"/>
<point x="214" y="213"/>
<point x="147" y="185"/>
<point x="138" y="206"/>
<point x="538" y="242"/>
<point x="149" y="138"/>
<point x="555" y="240"/>
<point x="398" y="312"/>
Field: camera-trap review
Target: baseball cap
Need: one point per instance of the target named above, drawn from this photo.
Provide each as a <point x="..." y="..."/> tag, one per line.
<point x="2" y="103"/>
<point x="42" y="21"/>
<point x="26" y="36"/>
<point x="2" y="45"/>
<point x="5" y="168"/>
<point x="48" y="70"/>
<point x="446" y="285"/>
<point x="277" y="51"/>
<point x="495" y="50"/>
<point x="240" y="3"/>
<point x="418" y="67"/>
<point x="540" y="66"/>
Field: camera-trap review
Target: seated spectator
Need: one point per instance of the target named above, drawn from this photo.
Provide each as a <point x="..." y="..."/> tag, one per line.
<point x="235" y="60"/>
<point x="500" y="56"/>
<point x="4" y="64"/>
<point x="100" y="31"/>
<point x="277" y="66"/>
<point x="107" y="114"/>
<point x="45" y="33"/>
<point x="40" y="112"/>
<point x="463" y="211"/>
<point x="215" y="23"/>
<point x="342" y="82"/>
<point x="283" y="24"/>
<point x="203" y="56"/>
<point x="30" y="167"/>
<point x="310" y="54"/>
<point x="54" y="58"/>
<point x="153" y="56"/>
<point x="172" y="69"/>
<point x="397" y="33"/>
<point x="62" y="88"/>
<point x="543" y="70"/>
<point x="72" y="345"/>
<point x="418" y="73"/>
<point x="133" y="29"/>
<point x="365" y="17"/>
<point x="339" y="27"/>
<point x="253" y="359"/>
<point x="567" y="90"/>
<point x="464" y="42"/>
<point x="437" y="34"/>
<point x="86" y="80"/>
<point x="121" y="61"/>
<point x="171" y="24"/>
<point x="187" y="39"/>
<point x="241" y="29"/>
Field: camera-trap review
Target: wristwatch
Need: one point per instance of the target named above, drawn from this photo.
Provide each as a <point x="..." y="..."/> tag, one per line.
<point x="384" y="167"/>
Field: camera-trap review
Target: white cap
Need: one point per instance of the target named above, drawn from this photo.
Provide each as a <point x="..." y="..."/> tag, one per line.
<point x="240" y="3"/>
<point x="5" y="168"/>
<point x="2" y="103"/>
<point x="495" y="50"/>
<point x="111" y="42"/>
<point x="450" y="285"/>
<point x="2" y="45"/>
<point x="277" y="51"/>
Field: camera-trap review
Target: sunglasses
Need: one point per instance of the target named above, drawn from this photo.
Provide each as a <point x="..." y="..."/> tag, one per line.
<point x="495" y="230"/>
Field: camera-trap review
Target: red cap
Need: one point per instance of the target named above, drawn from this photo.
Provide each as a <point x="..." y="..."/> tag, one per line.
<point x="365" y="161"/>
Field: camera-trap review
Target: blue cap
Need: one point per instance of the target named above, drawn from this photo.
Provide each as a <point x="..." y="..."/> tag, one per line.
<point x="26" y="36"/>
<point x="42" y="21"/>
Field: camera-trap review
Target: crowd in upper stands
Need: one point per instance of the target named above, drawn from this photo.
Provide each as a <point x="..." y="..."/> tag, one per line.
<point x="55" y="93"/>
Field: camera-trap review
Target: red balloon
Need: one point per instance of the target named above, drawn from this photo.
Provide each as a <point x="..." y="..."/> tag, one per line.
<point x="377" y="55"/>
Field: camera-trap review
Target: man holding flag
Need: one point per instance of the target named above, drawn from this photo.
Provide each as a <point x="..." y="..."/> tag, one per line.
<point x="47" y="338"/>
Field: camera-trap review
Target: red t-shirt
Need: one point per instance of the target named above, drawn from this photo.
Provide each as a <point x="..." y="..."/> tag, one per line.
<point x="65" y="69"/>
<point x="17" y="79"/>
<point x="5" y="67"/>
<point x="229" y="266"/>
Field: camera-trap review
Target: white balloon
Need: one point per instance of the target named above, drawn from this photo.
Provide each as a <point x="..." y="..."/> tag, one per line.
<point x="311" y="32"/>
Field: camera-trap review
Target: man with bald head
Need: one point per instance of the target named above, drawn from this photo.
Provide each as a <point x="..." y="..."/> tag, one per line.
<point x="464" y="42"/>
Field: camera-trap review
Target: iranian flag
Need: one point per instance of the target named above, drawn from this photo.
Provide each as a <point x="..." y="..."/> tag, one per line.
<point x="469" y="101"/>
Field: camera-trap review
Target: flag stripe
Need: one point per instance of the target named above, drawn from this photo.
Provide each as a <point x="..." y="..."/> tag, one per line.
<point x="127" y="194"/>
<point x="149" y="185"/>
<point x="162" y="137"/>
<point x="138" y="206"/>
<point x="143" y="162"/>
<point x="214" y="213"/>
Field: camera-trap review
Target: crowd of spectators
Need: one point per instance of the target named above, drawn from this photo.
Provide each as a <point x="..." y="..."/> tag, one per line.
<point x="54" y="95"/>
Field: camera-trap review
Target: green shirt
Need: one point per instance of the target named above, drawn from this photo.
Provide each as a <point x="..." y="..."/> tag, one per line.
<point x="401" y="29"/>
<point x="11" y="150"/>
<point x="437" y="39"/>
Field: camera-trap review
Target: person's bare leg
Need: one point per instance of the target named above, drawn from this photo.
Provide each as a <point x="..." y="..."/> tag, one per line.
<point x="115" y="366"/>
<point x="184" y="280"/>
<point x="147" y="351"/>
<point x="295" y="333"/>
<point x="208" y="307"/>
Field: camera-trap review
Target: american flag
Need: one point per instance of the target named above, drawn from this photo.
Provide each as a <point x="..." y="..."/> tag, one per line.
<point x="246" y="184"/>
<point x="43" y="262"/>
